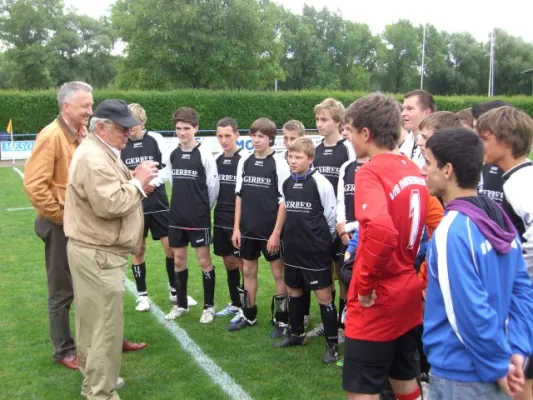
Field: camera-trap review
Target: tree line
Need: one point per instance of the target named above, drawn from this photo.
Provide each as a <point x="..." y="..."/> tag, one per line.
<point x="244" y="44"/>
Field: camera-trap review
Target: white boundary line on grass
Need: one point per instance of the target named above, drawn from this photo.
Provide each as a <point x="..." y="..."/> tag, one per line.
<point x="19" y="209"/>
<point x="217" y="375"/>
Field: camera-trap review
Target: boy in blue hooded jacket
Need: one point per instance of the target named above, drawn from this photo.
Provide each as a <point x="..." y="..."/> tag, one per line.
<point x="479" y="306"/>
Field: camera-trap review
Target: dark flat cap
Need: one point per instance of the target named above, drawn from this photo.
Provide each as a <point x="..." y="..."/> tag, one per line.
<point x="117" y="111"/>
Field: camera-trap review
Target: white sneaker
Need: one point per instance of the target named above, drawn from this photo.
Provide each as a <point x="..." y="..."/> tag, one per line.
<point x="228" y="310"/>
<point x="207" y="316"/>
<point x="176" y="312"/>
<point x="120" y="383"/>
<point x="143" y="303"/>
<point x="190" y="300"/>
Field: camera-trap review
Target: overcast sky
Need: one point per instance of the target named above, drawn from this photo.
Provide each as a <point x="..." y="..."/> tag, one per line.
<point x="474" y="16"/>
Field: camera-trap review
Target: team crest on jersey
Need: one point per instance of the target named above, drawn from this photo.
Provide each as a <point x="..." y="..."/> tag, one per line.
<point x="328" y="152"/>
<point x="259" y="163"/>
<point x="227" y="161"/>
<point x="137" y="145"/>
<point x="185" y="156"/>
<point x="298" y="185"/>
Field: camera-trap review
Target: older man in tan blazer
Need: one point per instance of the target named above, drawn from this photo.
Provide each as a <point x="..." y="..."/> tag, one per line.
<point x="104" y="223"/>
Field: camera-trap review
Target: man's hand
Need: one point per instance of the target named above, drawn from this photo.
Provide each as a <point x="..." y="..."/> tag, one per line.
<point x="368" y="301"/>
<point x="236" y="238"/>
<point x="513" y="383"/>
<point x="148" y="189"/>
<point x="273" y="243"/>
<point x="344" y="238"/>
<point x="145" y="172"/>
<point x="341" y="228"/>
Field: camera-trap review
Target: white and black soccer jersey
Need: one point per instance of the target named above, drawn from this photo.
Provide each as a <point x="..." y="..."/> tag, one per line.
<point x="259" y="183"/>
<point x="345" y="194"/>
<point x="518" y="204"/>
<point x="491" y="183"/>
<point x="227" y="176"/>
<point x="329" y="159"/>
<point x="194" y="188"/>
<point x="310" y="221"/>
<point x="150" y="148"/>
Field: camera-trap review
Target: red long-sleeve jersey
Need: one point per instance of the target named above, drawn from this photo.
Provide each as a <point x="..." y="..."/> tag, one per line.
<point x="391" y="205"/>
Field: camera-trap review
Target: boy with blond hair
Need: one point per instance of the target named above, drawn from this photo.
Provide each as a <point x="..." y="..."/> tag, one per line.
<point x="331" y="154"/>
<point x="309" y="202"/>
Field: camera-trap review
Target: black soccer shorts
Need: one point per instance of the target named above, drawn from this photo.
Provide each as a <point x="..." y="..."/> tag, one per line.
<point x="307" y="279"/>
<point x="368" y="365"/>
<point x="251" y="249"/>
<point x="222" y="242"/>
<point x="179" y="237"/>
<point x="157" y="223"/>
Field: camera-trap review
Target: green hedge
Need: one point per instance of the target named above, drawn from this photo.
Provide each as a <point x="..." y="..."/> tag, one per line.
<point x="31" y="111"/>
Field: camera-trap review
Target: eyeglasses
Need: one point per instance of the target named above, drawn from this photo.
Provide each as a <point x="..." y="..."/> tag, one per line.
<point x="122" y="129"/>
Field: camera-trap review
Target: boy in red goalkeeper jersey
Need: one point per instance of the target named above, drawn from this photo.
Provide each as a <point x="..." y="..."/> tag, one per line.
<point x="384" y="299"/>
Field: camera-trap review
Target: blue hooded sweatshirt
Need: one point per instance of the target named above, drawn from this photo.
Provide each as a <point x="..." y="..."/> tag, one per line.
<point x="479" y="308"/>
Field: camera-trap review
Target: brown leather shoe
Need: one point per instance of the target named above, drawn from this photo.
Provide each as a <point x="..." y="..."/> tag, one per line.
<point x="130" y="346"/>
<point x="69" y="362"/>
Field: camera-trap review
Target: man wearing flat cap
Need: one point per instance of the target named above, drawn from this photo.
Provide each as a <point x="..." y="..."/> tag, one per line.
<point x="104" y="223"/>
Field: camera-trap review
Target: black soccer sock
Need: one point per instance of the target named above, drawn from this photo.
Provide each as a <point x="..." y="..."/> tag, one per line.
<point x="208" y="278"/>
<point x="234" y="279"/>
<point x="342" y="305"/>
<point x="169" y="262"/>
<point x="181" y="278"/>
<point x="296" y="314"/>
<point x="281" y="312"/>
<point x="329" y="319"/>
<point x="250" y="312"/>
<point x="139" y="273"/>
<point x="307" y="299"/>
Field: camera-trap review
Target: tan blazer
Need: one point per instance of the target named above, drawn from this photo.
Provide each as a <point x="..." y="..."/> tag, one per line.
<point x="46" y="171"/>
<point x="103" y="207"/>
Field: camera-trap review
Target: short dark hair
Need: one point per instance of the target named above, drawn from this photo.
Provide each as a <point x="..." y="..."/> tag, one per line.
<point x="463" y="149"/>
<point x="440" y="120"/>
<point x="227" y="121"/>
<point x="479" y="109"/>
<point x="380" y="114"/>
<point x="266" y="127"/>
<point x="425" y="99"/>
<point x="187" y="115"/>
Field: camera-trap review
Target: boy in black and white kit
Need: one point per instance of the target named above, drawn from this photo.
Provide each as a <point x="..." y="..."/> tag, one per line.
<point x="330" y="155"/>
<point x="309" y="201"/>
<point x="194" y="191"/>
<point x="227" y="161"/>
<point x="141" y="146"/>
<point x="259" y="222"/>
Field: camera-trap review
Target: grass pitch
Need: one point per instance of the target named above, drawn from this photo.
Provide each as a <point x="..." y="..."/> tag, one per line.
<point x="163" y="370"/>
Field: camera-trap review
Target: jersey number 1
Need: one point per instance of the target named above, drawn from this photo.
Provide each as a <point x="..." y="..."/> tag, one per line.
<point x="414" y="216"/>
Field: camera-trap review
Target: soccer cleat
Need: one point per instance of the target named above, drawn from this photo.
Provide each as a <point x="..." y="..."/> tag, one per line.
<point x="236" y="318"/>
<point x="190" y="301"/>
<point x="228" y="310"/>
<point x="207" y="315"/>
<point x="292" y="340"/>
<point x="341" y="336"/>
<point x="143" y="304"/>
<point x="316" y="331"/>
<point x="176" y="312"/>
<point x="280" y="330"/>
<point x="307" y="320"/>
<point x="241" y="323"/>
<point x="331" y="354"/>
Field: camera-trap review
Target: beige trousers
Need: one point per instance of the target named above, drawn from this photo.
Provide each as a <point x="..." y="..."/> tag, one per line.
<point x="98" y="279"/>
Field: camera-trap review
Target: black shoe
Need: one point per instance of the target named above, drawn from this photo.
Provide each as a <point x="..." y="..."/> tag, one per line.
<point x="292" y="340"/>
<point x="241" y="323"/>
<point x="331" y="354"/>
<point x="280" y="330"/>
